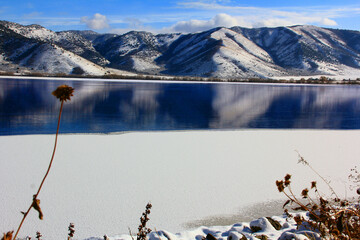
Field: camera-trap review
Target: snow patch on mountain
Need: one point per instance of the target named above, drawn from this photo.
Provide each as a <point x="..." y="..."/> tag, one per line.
<point x="53" y="59"/>
<point x="32" y="31"/>
<point x="141" y="65"/>
<point x="240" y="57"/>
<point x="315" y="35"/>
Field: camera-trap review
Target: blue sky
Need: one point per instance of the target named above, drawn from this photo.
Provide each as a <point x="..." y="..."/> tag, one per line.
<point x="119" y="16"/>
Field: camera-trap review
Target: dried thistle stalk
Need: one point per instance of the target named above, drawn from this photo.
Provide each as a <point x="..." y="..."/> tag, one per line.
<point x="63" y="93"/>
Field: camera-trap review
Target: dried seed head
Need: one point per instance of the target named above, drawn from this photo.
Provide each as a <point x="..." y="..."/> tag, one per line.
<point x="313" y="184"/>
<point x="299" y="220"/>
<point x="280" y="185"/>
<point x="287" y="180"/>
<point x="63" y="92"/>
<point x="304" y="193"/>
<point x="287" y="177"/>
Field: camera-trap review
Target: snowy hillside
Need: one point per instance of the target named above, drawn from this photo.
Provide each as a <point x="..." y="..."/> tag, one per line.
<point x="135" y="51"/>
<point x="308" y="50"/>
<point x="42" y="50"/>
<point x="54" y="59"/>
<point x="220" y="52"/>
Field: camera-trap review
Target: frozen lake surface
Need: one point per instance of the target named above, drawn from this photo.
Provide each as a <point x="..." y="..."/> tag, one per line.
<point x="103" y="182"/>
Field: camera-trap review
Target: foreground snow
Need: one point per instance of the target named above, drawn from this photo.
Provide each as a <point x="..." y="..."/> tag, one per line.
<point x="275" y="227"/>
<point x="102" y="183"/>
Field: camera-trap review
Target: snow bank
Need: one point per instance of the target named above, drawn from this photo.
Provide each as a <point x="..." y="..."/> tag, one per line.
<point x="102" y="183"/>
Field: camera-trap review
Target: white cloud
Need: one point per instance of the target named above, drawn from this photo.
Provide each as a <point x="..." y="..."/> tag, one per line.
<point x="220" y="20"/>
<point x="328" y="22"/>
<point x="238" y="16"/>
<point x="225" y="20"/>
<point x="96" y="22"/>
<point x="248" y="16"/>
<point x="252" y="17"/>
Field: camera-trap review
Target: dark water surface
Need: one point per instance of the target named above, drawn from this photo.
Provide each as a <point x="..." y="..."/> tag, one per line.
<point x="27" y="106"/>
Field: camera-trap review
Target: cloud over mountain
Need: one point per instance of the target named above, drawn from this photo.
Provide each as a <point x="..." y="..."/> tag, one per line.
<point x="220" y="20"/>
<point x="252" y="17"/>
<point x="96" y="22"/>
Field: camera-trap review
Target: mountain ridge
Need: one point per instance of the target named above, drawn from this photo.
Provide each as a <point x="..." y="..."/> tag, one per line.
<point x="235" y="52"/>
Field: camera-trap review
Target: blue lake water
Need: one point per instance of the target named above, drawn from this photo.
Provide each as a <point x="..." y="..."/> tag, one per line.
<point x="27" y="106"/>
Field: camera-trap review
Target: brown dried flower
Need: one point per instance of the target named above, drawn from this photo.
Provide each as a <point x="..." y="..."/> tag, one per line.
<point x="313" y="184"/>
<point x="280" y="185"/>
<point x="63" y="92"/>
<point x="304" y="193"/>
<point x="287" y="179"/>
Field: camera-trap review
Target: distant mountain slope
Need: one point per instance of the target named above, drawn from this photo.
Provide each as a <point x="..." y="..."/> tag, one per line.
<point x="307" y="49"/>
<point x="135" y="51"/>
<point x="43" y="50"/>
<point x="221" y="52"/>
<point x="69" y="40"/>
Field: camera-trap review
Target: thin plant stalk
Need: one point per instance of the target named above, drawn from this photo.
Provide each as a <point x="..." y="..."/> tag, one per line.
<point x="53" y="154"/>
<point x="63" y="93"/>
<point x="47" y="172"/>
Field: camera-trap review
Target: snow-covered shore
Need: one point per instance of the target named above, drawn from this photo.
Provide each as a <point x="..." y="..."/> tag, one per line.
<point x="275" y="227"/>
<point x="102" y="183"/>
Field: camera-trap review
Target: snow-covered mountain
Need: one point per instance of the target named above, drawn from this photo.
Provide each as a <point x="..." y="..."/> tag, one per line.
<point x="308" y="49"/>
<point x="136" y="51"/>
<point x="221" y="52"/>
<point x="40" y="49"/>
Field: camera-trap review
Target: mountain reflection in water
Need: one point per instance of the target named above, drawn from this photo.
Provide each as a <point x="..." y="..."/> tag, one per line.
<point x="27" y="106"/>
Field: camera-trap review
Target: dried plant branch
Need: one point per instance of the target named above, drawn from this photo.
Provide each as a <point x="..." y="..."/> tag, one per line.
<point x="71" y="231"/>
<point x="38" y="235"/>
<point x="143" y="230"/>
<point x="131" y="235"/>
<point x="306" y="163"/>
<point x="332" y="219"/>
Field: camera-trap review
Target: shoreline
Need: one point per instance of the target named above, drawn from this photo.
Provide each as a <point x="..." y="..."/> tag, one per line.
<point x="174" y="80"/>
<point x="187" y="131"/>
